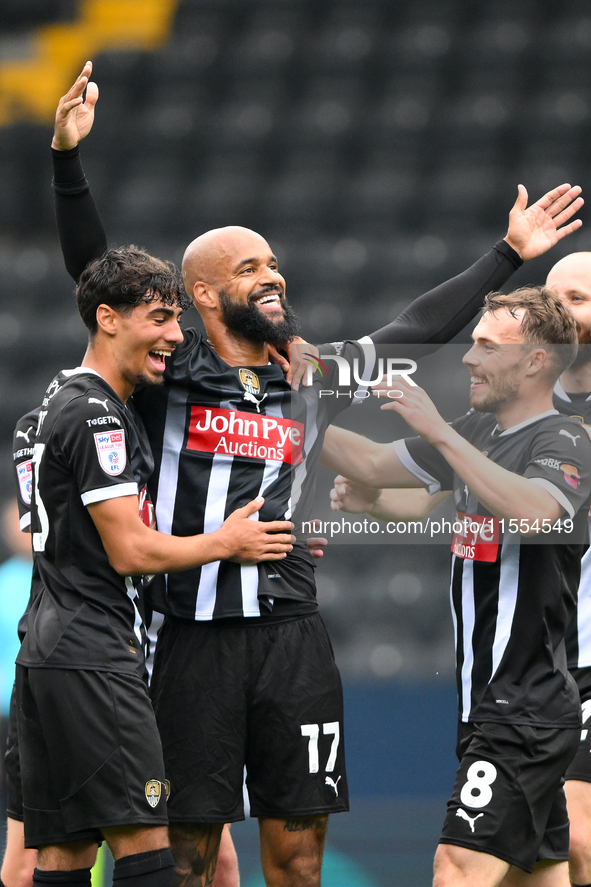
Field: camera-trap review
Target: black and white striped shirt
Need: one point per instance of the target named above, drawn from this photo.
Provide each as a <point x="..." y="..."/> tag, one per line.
<point x="512" y="599"/>
<point x="223" y="435"/>
<point x="578" y="636"/>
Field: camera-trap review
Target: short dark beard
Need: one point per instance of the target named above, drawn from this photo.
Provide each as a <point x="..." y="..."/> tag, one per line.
<point x="506" y="389"/>
<point x="146" y="380"/>
<point x="251" y="324"/>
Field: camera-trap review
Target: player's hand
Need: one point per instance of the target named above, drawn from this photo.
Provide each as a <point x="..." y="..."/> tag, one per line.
<point x="533" y="230"/>
<point x="250" y="541"/>
<point x="347" y="495"/>
<point x="277" y="357"/>
<point x="315" y="544"/>
<point x="300" y="365"/>
<point x="295" y="366"/>
<point x="74" y="117"/>
<point x="416" y="408"/>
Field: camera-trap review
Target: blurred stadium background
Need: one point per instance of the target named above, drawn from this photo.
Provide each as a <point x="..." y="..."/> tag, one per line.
<point x="377" y="146"/>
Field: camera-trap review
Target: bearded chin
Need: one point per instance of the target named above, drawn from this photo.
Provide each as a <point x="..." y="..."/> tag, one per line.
<point x="251" y="324"/>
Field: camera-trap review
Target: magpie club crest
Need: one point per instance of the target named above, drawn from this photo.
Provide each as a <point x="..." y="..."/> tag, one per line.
<point x="249" y="380"/>
<point x="153" y="791"/>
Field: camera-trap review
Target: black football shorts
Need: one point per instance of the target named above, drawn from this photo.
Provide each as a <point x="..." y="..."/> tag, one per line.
<point x="581" y="766"/>
<point x="90" y="754"/>
<point x="508" y="799"/>
<point x="265" y="696"/>
<point x="12" y="767"/>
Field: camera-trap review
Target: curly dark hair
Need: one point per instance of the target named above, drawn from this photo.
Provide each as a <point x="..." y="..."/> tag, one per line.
<point x="123" y="278"/>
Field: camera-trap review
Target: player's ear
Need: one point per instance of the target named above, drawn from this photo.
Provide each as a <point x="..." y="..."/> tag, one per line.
<point x="204" y="296"/>
<point x="106" y="318"/>
<point x="538" y="358"/>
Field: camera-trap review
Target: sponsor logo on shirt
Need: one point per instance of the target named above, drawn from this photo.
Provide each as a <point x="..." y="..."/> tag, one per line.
<point x="571" y="475"/>
<point x="25" y="434"/>
<point x="102" y="403"/>
<point x="110" y="446"/>
<point x="476" y="537"/>
<point x="573" y="437"/>
<point x="103" y="420"/>
<point x="549" y="463"/>
<point x="147" y="513"/>
<point x="236" y="433"/>
<point x="571" y="472"/>
<point x="25" y="480"/>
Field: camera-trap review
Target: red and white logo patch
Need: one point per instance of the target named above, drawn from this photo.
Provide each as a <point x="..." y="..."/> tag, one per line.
<point x="237" y="433"/>
<point x="110" y="446"/>
<point x="476" y="537"/>
<point x="25" y="480"/>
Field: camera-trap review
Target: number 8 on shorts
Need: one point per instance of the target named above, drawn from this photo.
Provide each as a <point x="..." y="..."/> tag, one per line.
<point x="476" y="791"/>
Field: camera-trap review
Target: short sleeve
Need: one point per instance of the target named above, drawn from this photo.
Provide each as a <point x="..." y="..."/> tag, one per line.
<point x="426" y="462"/>
<point x="560" y="461"/>
<point x="93" y="439"/>
<point x="23" y="441"/>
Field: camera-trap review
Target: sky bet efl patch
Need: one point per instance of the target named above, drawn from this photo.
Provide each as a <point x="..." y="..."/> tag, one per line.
<point x="110" y="446"/>
<point x="25" y="480"/>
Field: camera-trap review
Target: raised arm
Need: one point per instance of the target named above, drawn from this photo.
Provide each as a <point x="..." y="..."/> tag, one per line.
<point x="365" y="461"/>
<point x="81" y="231"/>
<point x="437" y="316"/>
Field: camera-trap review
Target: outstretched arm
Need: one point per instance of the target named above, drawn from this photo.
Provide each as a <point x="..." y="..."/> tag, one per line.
<point x="437" y="316"/>
<point x="81" y="231"/>
<point x="387" y="505"/>
<point x="365" y="461"/>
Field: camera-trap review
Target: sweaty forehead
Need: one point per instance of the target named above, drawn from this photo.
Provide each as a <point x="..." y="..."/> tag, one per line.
<point x="500" y="327"/>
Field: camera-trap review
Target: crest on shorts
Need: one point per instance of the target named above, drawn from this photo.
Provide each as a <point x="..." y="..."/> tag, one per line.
<point x="153" y="792"/>
<point x="110" y="446"/>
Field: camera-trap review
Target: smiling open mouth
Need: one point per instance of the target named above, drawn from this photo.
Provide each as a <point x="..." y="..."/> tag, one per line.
<point x="158" y="357"/>
<point x="269" y="299"/>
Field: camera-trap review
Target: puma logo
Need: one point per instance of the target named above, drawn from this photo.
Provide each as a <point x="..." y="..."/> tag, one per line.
<point x="573" y="437"/>
<point x="252" y="399"/>
<point x="25" y="434"/>
<point x="333" y="784"/>
<point x="103" y="403"/>
<point x="463" y="815"/>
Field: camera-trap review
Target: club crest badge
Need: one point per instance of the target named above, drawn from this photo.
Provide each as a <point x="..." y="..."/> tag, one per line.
<point x="252" y="386"/>
<point x="25" y="480"/>
<point x="110" y="446"/>
<point x="249" y="381"/>
<point x="153" y="792"/>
